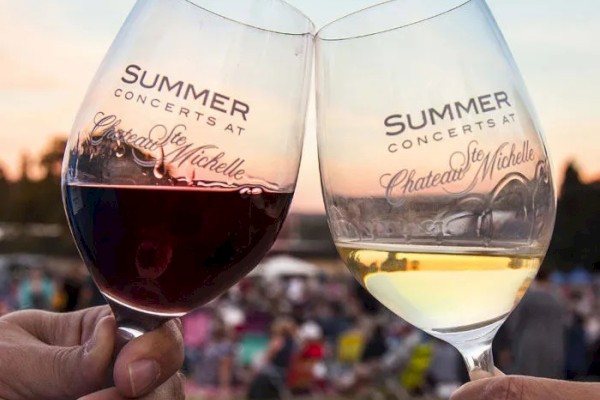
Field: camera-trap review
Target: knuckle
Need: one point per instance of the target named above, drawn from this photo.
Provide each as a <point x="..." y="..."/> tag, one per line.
<point x="63" y="366"/>
<point x="60" y="359"/>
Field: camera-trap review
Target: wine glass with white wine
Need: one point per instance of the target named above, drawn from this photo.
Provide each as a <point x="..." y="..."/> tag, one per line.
<point x="436" y="178"/>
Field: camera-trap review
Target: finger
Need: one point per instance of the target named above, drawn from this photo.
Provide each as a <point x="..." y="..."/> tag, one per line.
<point x="49" y="371"/>
<point x="149" y="360"/>
<point x="172" y="389"/>
<point x="525" y="388"/>
<point x="481" y="374"/>
<point x="69" y="329"/>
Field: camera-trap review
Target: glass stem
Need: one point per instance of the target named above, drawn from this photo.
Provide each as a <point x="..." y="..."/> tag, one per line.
<point x="478" y="357"/>
<point x="130" y="325"/>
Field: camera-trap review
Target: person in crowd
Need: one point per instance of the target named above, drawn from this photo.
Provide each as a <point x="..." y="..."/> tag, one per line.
<point x="538" y="332"/>
<point x="576" y="357"/>
<point x="296" y="291"/>
<point x="89" y="295"/>
<point x="501" y="348"/>
<point x="73" y="287"/>
<point x="213" y="369"/>
<point x="307" y="372"/>
<point x="444" y="372"/>
<point x="333" y="322"/>
<point x="68" y="356"/>
<point x="269" y="381"/>
<point x="375" y="347"/>
<point x="367" y="357"/>
<point x="593" y="372"/>
<point x="36" y="291"/>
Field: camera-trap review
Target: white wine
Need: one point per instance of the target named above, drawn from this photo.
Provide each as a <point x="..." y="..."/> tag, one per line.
<point x="452" y="290"/>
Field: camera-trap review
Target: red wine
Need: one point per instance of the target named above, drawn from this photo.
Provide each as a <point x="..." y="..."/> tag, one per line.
<point x="168" y="250"/>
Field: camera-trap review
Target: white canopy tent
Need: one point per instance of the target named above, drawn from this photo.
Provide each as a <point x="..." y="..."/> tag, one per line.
<point x="284" y="266"/>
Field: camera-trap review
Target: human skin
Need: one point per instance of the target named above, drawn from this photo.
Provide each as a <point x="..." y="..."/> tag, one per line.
<point x="68" y="356"/>
<point x="526" y="388"/>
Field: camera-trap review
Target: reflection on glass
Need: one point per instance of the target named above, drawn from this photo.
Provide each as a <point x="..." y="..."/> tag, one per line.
<point x="183" y="159"/>
<point x="435" y="175"/>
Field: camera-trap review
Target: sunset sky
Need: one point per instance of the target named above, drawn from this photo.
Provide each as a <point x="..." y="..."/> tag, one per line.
<point x="50" y="49"/>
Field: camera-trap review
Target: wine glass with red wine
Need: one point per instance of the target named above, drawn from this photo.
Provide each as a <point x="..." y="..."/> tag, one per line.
<point x="183" y="159"/>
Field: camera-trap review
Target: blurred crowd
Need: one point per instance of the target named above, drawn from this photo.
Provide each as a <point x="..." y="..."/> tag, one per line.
<point x="37" y="285"/>
<point x="291" y="336"/>
<point x="294" y="335"/>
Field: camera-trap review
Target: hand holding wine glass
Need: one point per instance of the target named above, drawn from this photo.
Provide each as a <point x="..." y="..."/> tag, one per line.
<point x="66" y="356"/>
<point x="526" y="388"/>
<point x="183" y="159"/>
<point x="436" y="179"/>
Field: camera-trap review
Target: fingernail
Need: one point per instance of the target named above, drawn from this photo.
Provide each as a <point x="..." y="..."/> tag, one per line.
<point x="179" y="324"/>
<point x="89" y="345"/>
<point x="92" y="342"/>
<point x="142" y="375"/>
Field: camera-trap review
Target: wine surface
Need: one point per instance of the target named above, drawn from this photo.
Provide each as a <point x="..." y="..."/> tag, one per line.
<point x="442" y="292"/>
<point x="167" y="250"/>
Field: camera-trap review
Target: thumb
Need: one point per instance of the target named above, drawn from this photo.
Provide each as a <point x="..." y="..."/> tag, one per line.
<point x="526" y="388"/>
<point x="71" y="372"/>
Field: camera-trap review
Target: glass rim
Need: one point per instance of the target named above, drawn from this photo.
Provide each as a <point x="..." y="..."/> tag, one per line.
<point x="338" y="38"/>
<point x="295" y="10"/>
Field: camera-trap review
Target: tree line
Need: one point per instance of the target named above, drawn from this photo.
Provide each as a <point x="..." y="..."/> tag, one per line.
<point x="33" y="200"/>
<point x="576" y="239"/>
<point x="26" y="201"/>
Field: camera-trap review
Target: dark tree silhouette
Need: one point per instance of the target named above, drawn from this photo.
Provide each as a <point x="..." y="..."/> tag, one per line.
<point x="4" y="195"/>
<point x="577" y="231"/>
<point x="576" y="239"/>
<point x="34" y="207"/>
<point x="51" y="159"/>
